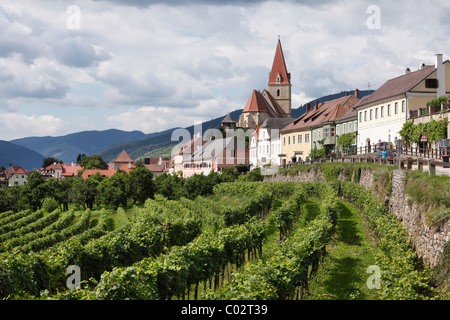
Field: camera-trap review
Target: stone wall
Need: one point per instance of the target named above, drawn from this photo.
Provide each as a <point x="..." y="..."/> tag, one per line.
<point x="429" y="241"/>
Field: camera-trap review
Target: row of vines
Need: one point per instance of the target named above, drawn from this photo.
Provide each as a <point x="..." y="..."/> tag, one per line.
<point x="170" y="248"/>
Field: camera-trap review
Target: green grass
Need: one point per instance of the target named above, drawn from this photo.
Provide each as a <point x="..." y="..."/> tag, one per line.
<point x="342" y="275"/>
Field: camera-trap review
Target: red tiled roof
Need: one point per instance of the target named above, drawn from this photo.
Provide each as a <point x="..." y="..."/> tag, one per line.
<point x="279" y="67"/>
<point x="123" y="157"/>
<point x="326" y="111"/>
<point x="14" y="170"/>
<point x="273" y="103"/>
<point x="256" y="103"/>
<point x="399" y="85"/>
<point x="107" y="173"/>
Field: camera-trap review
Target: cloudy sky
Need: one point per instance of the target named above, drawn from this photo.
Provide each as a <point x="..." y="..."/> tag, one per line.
<point x="69" y="66"/>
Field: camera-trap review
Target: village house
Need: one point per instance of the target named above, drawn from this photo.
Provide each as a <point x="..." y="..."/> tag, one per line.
<point x="215" y="155"/>
<point x="314" y="126"/>
<point x="16" y="176"/>
<point x="183" y="154"/>
<point x="61" y="170"/>
<point x="157" y="165"/>
<point x="382" y="115"/>
<point x="265" y="145"/>
<point x="122" y="162"/>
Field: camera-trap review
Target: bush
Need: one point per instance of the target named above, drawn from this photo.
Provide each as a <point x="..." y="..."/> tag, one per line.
<point x="50" y="205"/>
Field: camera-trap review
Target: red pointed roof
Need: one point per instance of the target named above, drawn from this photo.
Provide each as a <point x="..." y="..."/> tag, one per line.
<point x="279" y="67"/>
<point x="256" y="103"/>
<point x="123" y="157"/>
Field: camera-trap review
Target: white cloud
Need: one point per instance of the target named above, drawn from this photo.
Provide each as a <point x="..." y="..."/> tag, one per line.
<point x="16" y="125"/>
<point x="202" y="59"/>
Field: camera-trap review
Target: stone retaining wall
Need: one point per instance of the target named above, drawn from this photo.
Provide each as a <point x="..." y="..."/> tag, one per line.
<point x="429" y="241"/>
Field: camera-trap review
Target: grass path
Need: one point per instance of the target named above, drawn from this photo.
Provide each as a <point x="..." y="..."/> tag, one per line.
<point x="342" y="275"/>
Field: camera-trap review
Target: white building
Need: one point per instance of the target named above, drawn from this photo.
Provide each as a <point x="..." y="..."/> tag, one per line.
<point x="16" y="176"/>
<point x="382" y="114"/>
<point x="265" y="143"/>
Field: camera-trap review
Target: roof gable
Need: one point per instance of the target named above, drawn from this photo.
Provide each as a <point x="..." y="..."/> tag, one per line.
<point x="123" y="157"/>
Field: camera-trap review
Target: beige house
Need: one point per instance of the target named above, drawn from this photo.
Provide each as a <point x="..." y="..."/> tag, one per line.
<point x="382" y="114"/>
<point x="316" y="124"/>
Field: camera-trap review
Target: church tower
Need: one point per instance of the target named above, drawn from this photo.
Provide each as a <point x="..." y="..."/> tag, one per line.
<point x="279" y="84"/>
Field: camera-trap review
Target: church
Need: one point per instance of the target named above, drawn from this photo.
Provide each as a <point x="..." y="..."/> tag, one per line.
<point x="275" y="102"/>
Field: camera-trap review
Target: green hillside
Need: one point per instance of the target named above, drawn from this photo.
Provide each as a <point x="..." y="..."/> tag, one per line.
<point x="11" y="153"/>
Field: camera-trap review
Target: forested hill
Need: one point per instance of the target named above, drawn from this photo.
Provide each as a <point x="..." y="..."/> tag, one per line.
<point x="11" y="153"/>
<point x="68" y="147"/>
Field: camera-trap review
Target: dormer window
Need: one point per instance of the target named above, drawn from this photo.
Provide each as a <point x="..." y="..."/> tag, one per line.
<point x="278" y="92"/>
<point x="278" y="79"/>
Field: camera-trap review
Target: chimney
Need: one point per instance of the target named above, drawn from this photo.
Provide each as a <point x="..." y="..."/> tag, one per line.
<point x="407" y="70"/>
<point x="440" y="76"/>
<point x="308" y="107"/>
<point x="317" y="104"/>
<point x="346" y="93"/>
<point x="357" y="93"/>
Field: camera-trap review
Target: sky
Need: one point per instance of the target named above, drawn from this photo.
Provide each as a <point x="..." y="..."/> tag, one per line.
<point x="70" y="66"/>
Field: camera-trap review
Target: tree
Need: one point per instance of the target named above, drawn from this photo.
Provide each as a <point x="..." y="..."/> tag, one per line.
<point x="140" y="184"/>
<point x="50" y="160"/>
<point x="113" y="191"/>
<point x="85" y="191"/>
<point x="94" y="162"/>
<point x="35" y="190"/>
<point x="346" y="140"/>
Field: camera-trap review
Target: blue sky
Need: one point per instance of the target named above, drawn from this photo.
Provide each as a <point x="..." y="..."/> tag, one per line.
<point x="154" y="65"/>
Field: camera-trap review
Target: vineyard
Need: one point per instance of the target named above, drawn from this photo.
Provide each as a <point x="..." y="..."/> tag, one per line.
<point x="247" y="240"/>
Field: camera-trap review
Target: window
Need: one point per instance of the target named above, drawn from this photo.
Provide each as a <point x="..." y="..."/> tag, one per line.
<point x="360" y="118"/>
<point x="306" y="137"/>
<point x="382" y="111"/>
<point x="319" y="134"/>
<point x="350" y="127"/>
<point x="396" y="108"/>
<point x="314" y="136"/>
<point x="431" y="83"/>
<point x="337" y="128"/>
<point x="233" y="153"/>
<point x="344" y="128"/>
<point x="289" y="140"/>
<point x="299" y="139"/>
<point x="284" y="141"/>
<point x="332" y="132"/>
<point x="365" y="115"/>
<point x="370" y="117"/>
<point x="389" y="110"/>
<point x="278" y="92"/>
<point x="376" y="113"/>
<point x="325" y="133"/>
<point x="293" y="139"/>
<point x="403" y="106"/>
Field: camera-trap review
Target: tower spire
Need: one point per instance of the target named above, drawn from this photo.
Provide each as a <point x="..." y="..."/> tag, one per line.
<point x="279" y="73"/>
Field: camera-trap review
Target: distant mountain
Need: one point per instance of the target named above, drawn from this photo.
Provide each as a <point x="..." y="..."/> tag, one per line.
<point x="160" y="144"/>
<point x="11" y="153"/>
<point x="68" y="147"/>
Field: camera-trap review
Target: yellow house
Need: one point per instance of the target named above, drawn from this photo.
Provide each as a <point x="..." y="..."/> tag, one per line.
<point x="316" y="124"/>
<point x="382" y="114"/>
